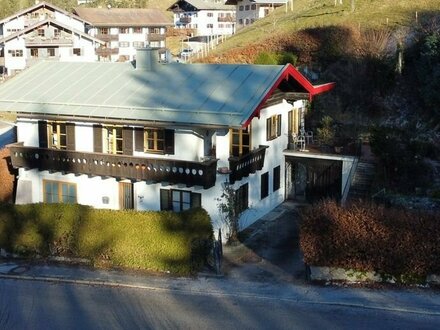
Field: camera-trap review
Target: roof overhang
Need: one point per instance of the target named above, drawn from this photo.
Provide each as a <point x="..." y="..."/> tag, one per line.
<point x="290" y="71"/>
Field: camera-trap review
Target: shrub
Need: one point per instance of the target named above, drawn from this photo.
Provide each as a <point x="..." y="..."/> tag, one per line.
<point x="159" y="241"/>
<point x="370" y="237"/>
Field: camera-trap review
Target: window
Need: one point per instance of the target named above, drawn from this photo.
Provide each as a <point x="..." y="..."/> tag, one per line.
<point x="179" y="200"/>
<point x="210" y="26"/>
<point x="103" y="30"/>
<point x="155" y="44"/>
<point x="51" y="52"/>
<point x="264" y="185"/>
<point x="294" y="121"/>
<point x="242" y="198"/>
<point x="137" y="30"/>
<point x="276" y="178"/>
<point x="253" y="7"/>
<point x="77" y="51"/>
<point x="16" y="52"/>
<point x="112" y="137"/>
<point x="273" y="127"/>
<point x="240" y="8"/>
<point x="34" y="52"/>
<point x="40" y="32"/>
<point x="124" y="44"/>
<point x="56" y="33"/>
<point x="155" y="30"/>
<point x="123" y="30"/>
<point x="221" y="26"/>
<point x="240" y="141"/>
<point x="240" y="21"/>
<point x="246" y="7"/>
<point x="57" y="134"/>
<point x="59" y="192"/>
<point x="210" y="14"/>
<point x="154" y="140"/>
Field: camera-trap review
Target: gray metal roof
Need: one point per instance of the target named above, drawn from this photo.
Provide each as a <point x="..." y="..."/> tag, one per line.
<point x="204" y="5"/>
<point x="195" y="94"/>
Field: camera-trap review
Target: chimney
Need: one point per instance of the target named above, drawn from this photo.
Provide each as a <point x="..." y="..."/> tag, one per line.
<point x="147" y="59"/>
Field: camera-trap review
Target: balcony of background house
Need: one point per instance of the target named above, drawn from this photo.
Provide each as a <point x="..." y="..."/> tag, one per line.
<point x="185" y="20"/>
<point x="107" y="37"/>
<point x="106" y="51"/>
<point x="227" y="18"/>
<point x="47" y="42"/>
<point x="155" y="37"/>
<point x="118" y="166"/>
<point x="244" y="165"/>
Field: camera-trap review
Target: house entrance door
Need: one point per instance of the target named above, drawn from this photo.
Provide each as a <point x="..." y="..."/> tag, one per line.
<point x="126" y="195"/>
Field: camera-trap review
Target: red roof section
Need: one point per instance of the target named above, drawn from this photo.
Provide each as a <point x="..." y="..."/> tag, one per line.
<point x="291" y="71"/>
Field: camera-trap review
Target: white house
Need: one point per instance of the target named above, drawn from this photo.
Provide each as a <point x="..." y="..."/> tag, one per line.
<point x="204" y="17"/>
<point x="43" y="32"/>
<point x="125" y="29"/>
<point x="248" y="11"/>
<point x="156" y="136"/>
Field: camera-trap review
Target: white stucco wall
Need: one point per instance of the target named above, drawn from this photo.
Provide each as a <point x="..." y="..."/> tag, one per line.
<point x="188" y="146"/>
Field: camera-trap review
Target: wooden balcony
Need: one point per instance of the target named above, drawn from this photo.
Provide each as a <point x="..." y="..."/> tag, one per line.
<point x="45" y="42"/>
<point x="106" y="51"/>
<point x="241" y="167"/>
<point x="117" y="166"/>
<point x="226" y="19"/>
<point x="108" y="37"/>
<point x="185" y="20"/>
<point x="155" y="37"/>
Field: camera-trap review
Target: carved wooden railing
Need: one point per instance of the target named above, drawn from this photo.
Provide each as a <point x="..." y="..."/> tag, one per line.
<point x="117" y="166"/>
<point x="250" y="163"/>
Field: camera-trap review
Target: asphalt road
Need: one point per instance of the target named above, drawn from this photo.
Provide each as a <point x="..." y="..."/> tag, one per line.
<point x="51" y="305"/>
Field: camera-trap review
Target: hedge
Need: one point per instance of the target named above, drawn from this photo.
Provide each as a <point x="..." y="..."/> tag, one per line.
<point x="158" y="241"/>
<point x="370" y="237"/>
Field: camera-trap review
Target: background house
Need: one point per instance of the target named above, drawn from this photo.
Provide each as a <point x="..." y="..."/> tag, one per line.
<point x="248" y="11"/>
<point x="204" y="18"/>
<point x="156" y="136"/>
<point x="125" y="29"/>
<point x="43" y="32"/>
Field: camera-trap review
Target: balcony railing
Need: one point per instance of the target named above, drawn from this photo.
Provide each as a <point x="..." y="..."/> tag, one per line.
<point x="226" y="19"/>
<point x="185" y="20"/>
<point x="250" y="163"/>
<point x="108" y="37"/>
<point x="117" y="166"/>
<point x="42" y="41"/>
<point x="106" y="51"/>
<point x="155" y="37"/>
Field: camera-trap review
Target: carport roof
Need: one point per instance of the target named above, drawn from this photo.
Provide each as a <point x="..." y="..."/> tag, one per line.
<point x="221" y="95"/>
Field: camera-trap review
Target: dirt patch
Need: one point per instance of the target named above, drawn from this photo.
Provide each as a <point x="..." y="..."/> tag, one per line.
<point x="269" y="249"/>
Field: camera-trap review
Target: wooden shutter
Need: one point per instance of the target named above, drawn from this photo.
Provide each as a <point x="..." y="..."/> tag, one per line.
<point x="196" y="200"/>
<point x="169" y="141"/>
<point x="165" y="199"/>
<point x="127" y="141"/>
<point x="42" y="134"/>
<point x="70" y="136"/>
<point x="278" y="125"/>
<point x="139" y="139"/>
<point x="268" y="125"/>
<point x="97" y="138"/>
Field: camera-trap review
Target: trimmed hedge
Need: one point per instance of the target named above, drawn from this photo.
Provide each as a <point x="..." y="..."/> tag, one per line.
<point x="371" y="237"/>
<point x="158" y="241"/>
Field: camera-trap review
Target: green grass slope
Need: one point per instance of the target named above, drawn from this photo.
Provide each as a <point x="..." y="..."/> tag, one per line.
<point x="278" y="27"/>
